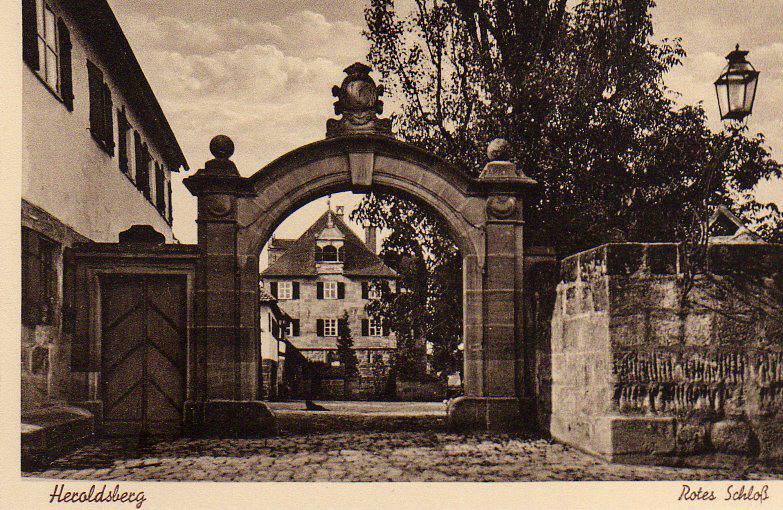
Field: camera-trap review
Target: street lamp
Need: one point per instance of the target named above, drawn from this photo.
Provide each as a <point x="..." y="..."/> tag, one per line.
<point x="736" y="87"/>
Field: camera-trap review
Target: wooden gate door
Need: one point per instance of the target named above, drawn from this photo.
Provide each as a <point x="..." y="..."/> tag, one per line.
<point x="143" y="333"/>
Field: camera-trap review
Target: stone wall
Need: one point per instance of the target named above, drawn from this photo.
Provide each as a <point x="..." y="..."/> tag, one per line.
<point x="651" y="366"/>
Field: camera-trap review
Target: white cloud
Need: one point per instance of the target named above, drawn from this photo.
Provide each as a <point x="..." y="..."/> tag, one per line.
<point x="262" y="72"/>
<point x="266" y="84"/>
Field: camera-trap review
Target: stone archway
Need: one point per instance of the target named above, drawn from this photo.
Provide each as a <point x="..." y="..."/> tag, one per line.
<point x="237" y="215"/>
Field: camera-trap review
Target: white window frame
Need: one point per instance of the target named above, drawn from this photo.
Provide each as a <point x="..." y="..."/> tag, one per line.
<point x="375" y="327"/>
<point x="372" y="291"/>
<point x="47" y="43"/>
<point x="330" y="290"/>
<point x="285" y="290"/>
<point x="289" y="329"/>
<point x="330" y="327"/>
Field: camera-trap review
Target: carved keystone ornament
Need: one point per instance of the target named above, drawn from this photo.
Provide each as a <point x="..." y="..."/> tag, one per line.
<point x="358" y="102"/>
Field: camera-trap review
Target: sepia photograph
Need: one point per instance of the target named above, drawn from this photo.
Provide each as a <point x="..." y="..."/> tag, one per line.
<point x="398" y="241"/>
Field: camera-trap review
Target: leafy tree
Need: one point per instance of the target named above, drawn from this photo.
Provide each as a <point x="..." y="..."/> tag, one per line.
<point x="579" y="93"/>
<point x="345" y="352"/>
<point x="426" y="305"/>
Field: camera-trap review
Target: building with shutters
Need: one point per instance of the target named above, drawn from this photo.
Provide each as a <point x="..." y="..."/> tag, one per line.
<point x="98" y="157"/>
<point x="327" y="271"/>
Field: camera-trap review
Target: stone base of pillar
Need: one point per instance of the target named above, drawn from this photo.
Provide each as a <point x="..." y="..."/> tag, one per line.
<point x="501" y="414"/>
<point x="229" y="418"/>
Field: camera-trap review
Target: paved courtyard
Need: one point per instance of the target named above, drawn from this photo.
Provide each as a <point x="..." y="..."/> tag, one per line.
<point x="361" y="456"/>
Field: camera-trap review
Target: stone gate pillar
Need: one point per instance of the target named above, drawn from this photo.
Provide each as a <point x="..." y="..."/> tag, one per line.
<point x="494" y="399"/>
<point x="227" y="380"/>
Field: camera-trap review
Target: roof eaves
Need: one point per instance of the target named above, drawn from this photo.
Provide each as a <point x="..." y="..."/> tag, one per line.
<point x="118" y="56"/>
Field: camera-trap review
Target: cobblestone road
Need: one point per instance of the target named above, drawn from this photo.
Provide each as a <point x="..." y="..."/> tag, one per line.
<point x="365" y="456"/>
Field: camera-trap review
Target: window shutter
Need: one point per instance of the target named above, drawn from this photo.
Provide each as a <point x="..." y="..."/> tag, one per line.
<point x="365" y="327"/>
<point x="319" y="324"/>
<point x="95" y="83"/>
<point x="296" y="327"/>
<point x="320" y="290"/>
<point x="108" y="119"/>
<point x="384" y="328"/>
<point x="275" y="329"/>
<point x="340" y="327"/>
<point x="365" y="290"/>
<point x="30" y="34"/>
<point x="160" y="201"/>
<point x="122" y="140"/>
<point x="340" y="290"/>
<point x="145" y="169"/>
<point x="273" y="289"/>
<point x="138" y="153"/>
<point x="169" y="210"/>
<point x="66" y="77"/>
<point x="295" y="292"/>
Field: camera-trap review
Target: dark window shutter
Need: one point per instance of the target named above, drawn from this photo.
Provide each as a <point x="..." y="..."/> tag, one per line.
<point x="319" y="325"/>
<point x="365" y="290"/>
<point x="320" y="290"/>
<point x="384" y="328"/>
<point x="296" y="327"/>
<point x="365" y="327"/>
<point x="340" y="290"/>
<point x="122" y="140"/>
<point x="319" y="254"/>
<point x="169" y="210"/>
<point x="273" y="289"/>
<point x="95" y="84"/>
<point x="29" y="34"/>
<point x="108" y="119"/>
<point x="138" y="152"/>
<point x="275" y="329"/>
<point x="160" y="199"/>
<point x="340" y="327"/>
<point x="145" y="170"/>
<point x="295" y="292"/>
<point x="66" y="76"/>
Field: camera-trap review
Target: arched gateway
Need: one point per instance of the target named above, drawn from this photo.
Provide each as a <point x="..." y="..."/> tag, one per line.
<point x="237" y="215"/>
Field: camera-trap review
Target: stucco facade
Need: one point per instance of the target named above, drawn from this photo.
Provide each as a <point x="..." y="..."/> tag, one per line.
<point x="73" y="189"/>
<point x="309" y="307"/>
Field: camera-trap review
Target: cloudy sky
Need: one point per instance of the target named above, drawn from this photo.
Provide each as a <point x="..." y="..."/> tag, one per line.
<point x="261" y="72"/>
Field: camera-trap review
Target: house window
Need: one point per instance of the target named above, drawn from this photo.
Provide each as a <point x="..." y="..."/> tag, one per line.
<point x="101" y="111"/>
<point x="292" y="328"/>
<point x="39" y="278"/>
<point x="375" y="327"/>
<point x="330" y="290"/>
<point x="330" y="327"/>
<point x="285" y="290"/>
<point x="46" y="49"/>
<point x="48" y="53"/>
<point x="373" y="292"/>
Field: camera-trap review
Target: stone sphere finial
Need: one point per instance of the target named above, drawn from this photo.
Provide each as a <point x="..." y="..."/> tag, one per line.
<point x="499" y="150"/>
<point x="222" y="147"/>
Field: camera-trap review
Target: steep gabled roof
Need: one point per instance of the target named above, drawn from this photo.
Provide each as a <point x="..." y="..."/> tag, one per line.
<point x="727" y="227"/>
<point x="299" y="258"/>
<point x="281" y="243"/>
<point x="103" y="31"/>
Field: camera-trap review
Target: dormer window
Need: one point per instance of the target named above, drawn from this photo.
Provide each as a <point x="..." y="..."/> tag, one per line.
<point x="329" y="248"/>
<point x="329" y="253"/>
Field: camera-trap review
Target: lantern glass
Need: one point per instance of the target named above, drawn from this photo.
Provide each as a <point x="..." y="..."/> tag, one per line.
<point x="736" y="87"/>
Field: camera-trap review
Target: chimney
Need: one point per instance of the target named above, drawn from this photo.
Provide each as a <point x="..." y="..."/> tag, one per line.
<point x="371" y="238"/>
<point x="339" y="211"/>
